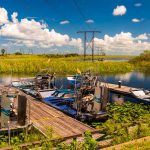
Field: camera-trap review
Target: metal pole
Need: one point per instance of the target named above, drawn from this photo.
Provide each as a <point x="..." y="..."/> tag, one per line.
<point x="29" y="110"/>
<point x="76" y="98"/>
<point x="93" y="46"/>
<point x="84" y="45"/>
<point x="9" y="132"/>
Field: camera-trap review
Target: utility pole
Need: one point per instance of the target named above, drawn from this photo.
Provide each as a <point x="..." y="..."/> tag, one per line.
<point x="92" y="41"/>
<point x="93" y="33"/>
<point x="84" y="45"/>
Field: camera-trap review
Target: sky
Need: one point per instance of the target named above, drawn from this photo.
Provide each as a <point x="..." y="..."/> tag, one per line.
<point x="50" y="26"/>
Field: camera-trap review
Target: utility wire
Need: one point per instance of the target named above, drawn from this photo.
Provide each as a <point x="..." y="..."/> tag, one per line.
<point x="80" y="12"/>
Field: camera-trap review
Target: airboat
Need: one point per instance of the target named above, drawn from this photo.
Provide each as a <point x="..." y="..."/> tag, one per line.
<point x="85" y="102"/>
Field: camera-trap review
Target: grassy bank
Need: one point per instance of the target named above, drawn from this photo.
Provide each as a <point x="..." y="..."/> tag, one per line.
<point x="62" y="65"/>
<point x="142" y="62"/>
<point x="141" y="145"/>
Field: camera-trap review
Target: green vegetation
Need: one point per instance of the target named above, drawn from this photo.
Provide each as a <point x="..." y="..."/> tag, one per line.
<point x="68" y="63"/>
<point x="144" y="145"/>
<point x="65" y="65"/>
<point x="87" y="144"/>
<point x="18" y="53"/>
<point x="60" y="55"/>
<point x="142" y="62"/>
<point x="46" y="143"/>
<point x="126" y="122"/>
<point x="3" y="51"/>
<point x="23" y="137"/>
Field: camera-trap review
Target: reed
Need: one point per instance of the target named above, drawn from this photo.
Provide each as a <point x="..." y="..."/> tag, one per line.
<point x="34" y="63"/>
<point x="142" y="62"/>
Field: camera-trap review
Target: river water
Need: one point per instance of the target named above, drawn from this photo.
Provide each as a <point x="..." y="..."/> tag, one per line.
<point x="132" y="79"/>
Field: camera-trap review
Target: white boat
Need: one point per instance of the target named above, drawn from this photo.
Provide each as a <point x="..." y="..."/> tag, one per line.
<point x="141" y="94"/>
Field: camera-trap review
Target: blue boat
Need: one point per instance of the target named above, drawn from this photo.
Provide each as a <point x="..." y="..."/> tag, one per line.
<point x="61" y="99"/>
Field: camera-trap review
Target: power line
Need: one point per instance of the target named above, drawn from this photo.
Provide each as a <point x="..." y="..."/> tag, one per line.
<point x="81" y="13"/>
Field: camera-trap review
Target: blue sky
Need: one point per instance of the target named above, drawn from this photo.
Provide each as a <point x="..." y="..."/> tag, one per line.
<point x="118" y="20"/>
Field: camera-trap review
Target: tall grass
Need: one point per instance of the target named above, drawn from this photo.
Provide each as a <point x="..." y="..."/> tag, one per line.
<point x="142" y="62"/>
<point x="34" y="63"/>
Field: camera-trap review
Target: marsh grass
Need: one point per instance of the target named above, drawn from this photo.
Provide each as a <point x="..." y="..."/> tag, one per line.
<point x="34" y="63"/>
<point x="142" y="62"/>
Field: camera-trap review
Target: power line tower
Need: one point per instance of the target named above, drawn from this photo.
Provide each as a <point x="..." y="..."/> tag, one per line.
<point x="100" y="51"/>
<point x="92" y="41"/>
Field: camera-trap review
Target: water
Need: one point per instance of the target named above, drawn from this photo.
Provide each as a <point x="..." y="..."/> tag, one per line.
<point x="107" y="59"/>
<point x="132" y="79"/>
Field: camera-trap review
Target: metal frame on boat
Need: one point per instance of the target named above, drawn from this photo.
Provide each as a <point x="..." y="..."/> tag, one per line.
<point x="85" y="102"/>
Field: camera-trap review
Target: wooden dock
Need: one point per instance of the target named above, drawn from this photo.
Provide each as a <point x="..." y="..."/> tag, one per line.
<point x="44" y="117"/>
<point x="114" y="88"/>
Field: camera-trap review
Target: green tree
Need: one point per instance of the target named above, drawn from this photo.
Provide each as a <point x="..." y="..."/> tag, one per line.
<point x="18" y="53"/>
<point x="3" y="51"/>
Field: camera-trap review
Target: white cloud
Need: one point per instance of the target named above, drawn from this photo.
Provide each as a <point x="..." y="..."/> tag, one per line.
<point x="123" y="43"/>
<point x="119" y="10"/>
<point x="65" y="22"/>
<point x="142" y="37"/>
<point x="89" y="21"/>
<point x="136" y="20"/>
<point x="31" y="33"/>
<point x="3" y="16"/>
<point x="14" y="17"/>
<point x="138" y="4"/>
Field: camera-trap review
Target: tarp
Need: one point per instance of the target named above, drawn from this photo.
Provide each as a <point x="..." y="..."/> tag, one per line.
<point x="5" y="111"/>
<point x="47" y="93"/>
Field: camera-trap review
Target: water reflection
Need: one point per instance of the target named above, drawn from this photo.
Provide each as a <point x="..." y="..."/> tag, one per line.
<point x="6" y="79"/>
<point x="132" y="79"/>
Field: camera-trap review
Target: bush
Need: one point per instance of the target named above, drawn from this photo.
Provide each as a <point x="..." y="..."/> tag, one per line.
<point x="18" y="53"/>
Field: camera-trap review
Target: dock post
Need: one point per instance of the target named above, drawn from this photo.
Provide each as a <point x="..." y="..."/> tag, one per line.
<point x="22" y="104"/>
<point x="119" y="84"/>
<point x="104" y="98"/>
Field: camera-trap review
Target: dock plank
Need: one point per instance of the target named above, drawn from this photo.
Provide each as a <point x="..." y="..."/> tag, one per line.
<point x="43" y="116"/>
<point x="115" y="88"/>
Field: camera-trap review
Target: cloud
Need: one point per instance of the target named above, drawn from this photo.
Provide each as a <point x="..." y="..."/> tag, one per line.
<point x="3" y="16"/>
<point x="136" y="20"/>
<point x="89" y="21"/>
<point x="143" y="36"/>
<point x="138" y="4"/>
<point x="31" y="33"/>
<point x="123" y="43"/>
<point x="14" y="17"/>
<point x="65" y="22"/>
<point x="119" y="10"/>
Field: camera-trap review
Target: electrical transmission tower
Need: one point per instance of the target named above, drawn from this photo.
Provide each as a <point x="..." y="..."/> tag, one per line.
<point x="100" y="51"/>
<point x="92" y="41"/>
